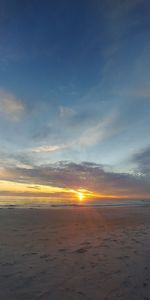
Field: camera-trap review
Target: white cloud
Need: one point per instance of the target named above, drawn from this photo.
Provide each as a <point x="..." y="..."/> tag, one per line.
<point x="10" y="107"/>
<point x="48" y="148"/>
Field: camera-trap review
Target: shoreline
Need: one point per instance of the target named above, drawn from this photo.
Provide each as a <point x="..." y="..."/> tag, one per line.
<point x="63" y="206"/>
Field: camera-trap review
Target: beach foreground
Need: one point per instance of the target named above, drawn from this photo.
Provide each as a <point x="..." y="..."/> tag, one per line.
<point x="75" y="253"/>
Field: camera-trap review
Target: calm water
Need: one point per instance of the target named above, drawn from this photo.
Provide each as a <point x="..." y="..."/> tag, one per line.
<point x="46" y="203"/>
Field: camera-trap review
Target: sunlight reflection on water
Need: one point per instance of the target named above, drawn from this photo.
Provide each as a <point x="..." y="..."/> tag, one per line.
<point x="47" y="203"/>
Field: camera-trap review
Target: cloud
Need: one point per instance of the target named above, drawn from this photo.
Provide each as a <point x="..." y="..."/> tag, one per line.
<point x="89" y="176"/>
<point x="142" y="161"/>
<point x="80" y="130"/>
<point x="11" y="107"/>
<point x="85" y="135"/>
<point x="17" y="159"/>
<point x="11" y="162"/>
<point x="48" y="148"/>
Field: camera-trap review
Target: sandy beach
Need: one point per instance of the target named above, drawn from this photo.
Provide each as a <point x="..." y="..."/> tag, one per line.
<point x="75" y="253"/>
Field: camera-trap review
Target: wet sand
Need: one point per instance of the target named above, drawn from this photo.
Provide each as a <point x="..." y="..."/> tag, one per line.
<point x="75" y="253"/>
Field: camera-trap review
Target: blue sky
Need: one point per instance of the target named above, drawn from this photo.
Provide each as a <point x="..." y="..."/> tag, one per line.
<point x="74" y="86"/>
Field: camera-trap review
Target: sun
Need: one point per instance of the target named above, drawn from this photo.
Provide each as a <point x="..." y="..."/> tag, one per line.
<point x="80" y="196"/>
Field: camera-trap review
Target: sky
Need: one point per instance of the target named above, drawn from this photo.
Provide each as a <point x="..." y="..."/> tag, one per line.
<point x="74" y="100"/>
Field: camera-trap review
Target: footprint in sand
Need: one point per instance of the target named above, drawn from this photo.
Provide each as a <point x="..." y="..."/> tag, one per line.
<point x="86" y="243"/>
<point x="62" y="249"/>
<point x="81" y="250"/>
<point x="44" y="256"/>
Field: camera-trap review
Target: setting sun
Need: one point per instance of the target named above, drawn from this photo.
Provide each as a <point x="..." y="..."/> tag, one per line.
<point x="81" y="196"/>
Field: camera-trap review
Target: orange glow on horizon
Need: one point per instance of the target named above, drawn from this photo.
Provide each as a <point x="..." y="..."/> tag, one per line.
<point x="10" y="189"/>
